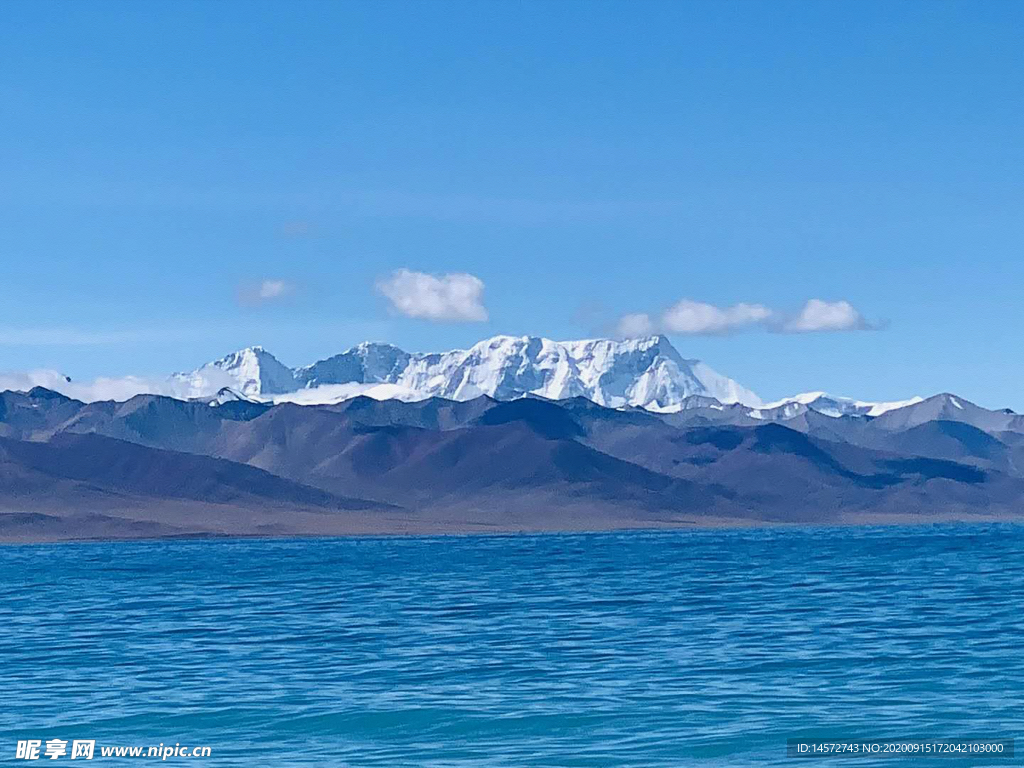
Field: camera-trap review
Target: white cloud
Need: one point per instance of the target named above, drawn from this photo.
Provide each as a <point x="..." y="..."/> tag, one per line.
<point x="695" y="317"/>
<point x="454" y="297"/>
<point x="104" y="388"/>
<point x="273" y="289"/>
<point x="23" y="381"/>
<point x="265" y="291"/>
<point x="818" y="315"/>
<point x="336" y="393"/>
<point x="184" y="387"/>
<point x="691" y="317"/>
<point x="635" y="325"/>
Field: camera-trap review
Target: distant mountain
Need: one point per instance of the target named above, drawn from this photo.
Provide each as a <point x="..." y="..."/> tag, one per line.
<point x="947" y="407"/>
<point x="231" y="465"/>
<point x="647" y="373"/>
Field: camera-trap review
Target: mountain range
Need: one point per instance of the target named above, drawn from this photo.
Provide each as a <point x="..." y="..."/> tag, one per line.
<point x="647" y="373"/>
<point x="522" y="434"/>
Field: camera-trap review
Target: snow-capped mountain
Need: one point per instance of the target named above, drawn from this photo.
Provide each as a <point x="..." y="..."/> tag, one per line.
<point x="227" y="395"/>
<point x="252" y="372"/>
<point x="830" y="405"/>
<point x="947" y="407"/>
<point x="366" y="363"/>
<point x="648" y="373"/>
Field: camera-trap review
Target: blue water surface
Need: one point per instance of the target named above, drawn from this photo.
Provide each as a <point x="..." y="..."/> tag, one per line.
<point x="624" y="649"/>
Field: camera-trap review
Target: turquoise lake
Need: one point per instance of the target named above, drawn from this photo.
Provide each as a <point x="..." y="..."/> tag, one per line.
<point x="626" y="649"/>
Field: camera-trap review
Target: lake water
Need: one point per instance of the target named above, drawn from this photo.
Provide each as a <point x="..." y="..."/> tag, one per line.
<point x="639" y="649"/>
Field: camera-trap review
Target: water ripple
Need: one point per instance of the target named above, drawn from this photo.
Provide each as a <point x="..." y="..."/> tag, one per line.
<point x="638" y="649"/>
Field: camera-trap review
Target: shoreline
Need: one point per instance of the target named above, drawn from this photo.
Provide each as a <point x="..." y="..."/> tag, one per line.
<point x="482" y="530"/>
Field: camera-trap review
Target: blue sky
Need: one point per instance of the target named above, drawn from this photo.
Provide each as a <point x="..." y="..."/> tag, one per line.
<point x="583" y="160"/>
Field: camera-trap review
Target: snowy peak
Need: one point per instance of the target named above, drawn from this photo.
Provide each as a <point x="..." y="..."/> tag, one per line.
<point x="251" y="371"/>
<point x="227" y="395"/>
<point x="830" y="405"/>
<point x="947" y="407"/>
<point x="648" y="372"/>
<point x="369" y="362"/>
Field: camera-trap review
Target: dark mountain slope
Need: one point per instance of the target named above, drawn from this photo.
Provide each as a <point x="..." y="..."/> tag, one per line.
<point x="190" y="467"/>
<point x="432" y="413"/>
<point x="414" y="466"/>
<point x="119" y="467"/>
<point x="38" y="412"/>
